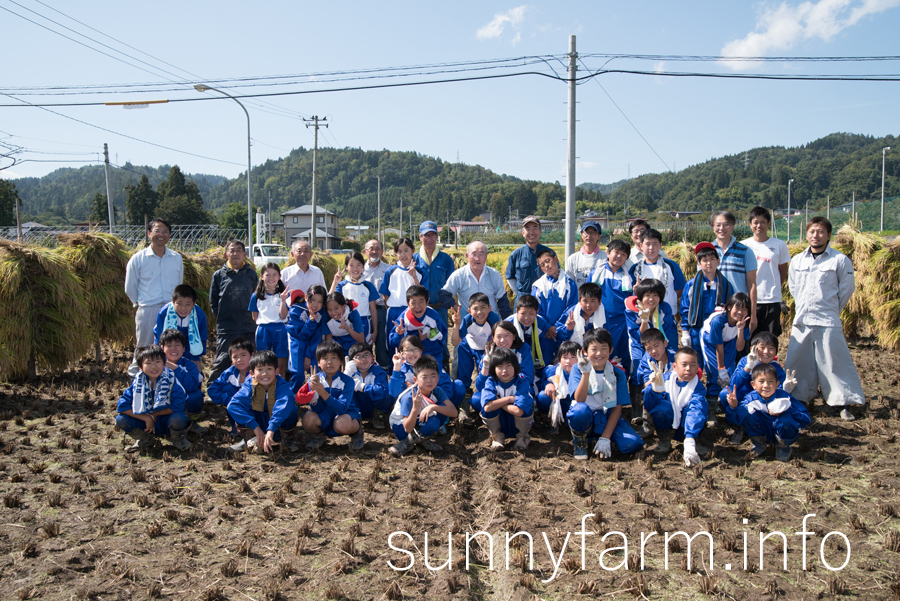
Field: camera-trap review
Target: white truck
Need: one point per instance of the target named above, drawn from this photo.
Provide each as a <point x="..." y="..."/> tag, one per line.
<point x="269" y="253"/>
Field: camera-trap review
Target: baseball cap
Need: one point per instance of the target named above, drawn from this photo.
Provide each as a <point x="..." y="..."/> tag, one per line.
<point x="530" y="219"/>
<point x="592" y="224"/>
<point x="703" y="245"/>
<point x="427" y="226"/>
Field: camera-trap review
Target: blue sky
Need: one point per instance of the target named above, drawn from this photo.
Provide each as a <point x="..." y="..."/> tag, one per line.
<point x="511" y="125"/>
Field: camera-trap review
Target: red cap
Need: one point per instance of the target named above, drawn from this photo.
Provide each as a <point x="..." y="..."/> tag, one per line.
<point x="703" y="245"/>
<point x="297" y="295"/>
<point x="304" y="395"/>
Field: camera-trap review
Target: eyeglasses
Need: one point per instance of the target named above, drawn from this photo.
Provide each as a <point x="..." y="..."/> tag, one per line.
<point x="363" y="356"/>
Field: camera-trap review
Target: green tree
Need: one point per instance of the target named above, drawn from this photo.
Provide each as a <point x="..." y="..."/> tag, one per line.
<point x="99" y="211"/>
<point x="235" y="217"/>
<point x="9" y="196"/>
<point x="141" y="200"/>
<point x="174" y="186"/>
<point x="181" y="210"/>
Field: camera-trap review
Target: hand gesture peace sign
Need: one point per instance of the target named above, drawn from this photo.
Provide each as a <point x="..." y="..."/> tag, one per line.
<point x="656" y="376"/>
<point x="584" y="364"/>
<point x="731" y="397"/>
<point x="570" y="321"/>
<point x="643" y="312"/>
<point x="790" y="380"/>
<point x="455" y="314"/>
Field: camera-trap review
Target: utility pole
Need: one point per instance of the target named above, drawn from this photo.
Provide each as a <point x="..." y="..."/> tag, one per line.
<point x="883" y="155"/>
<point x="269" y="229"/>
<point x="570" y="153"/>
<point x="853" y="210"/>
<point x="315" y="125"/>
<point x="448" y="227"/>
<point x="109" y="198"/>
<point x="828" y="207"/>
<point x="379" y="236"/>
<point x="401" y="216"/>
<point x="790" y="181"/>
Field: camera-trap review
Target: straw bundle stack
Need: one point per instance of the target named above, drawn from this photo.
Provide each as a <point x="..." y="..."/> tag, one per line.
<point x="44" y="307"/>
<point x="198" y="272"/>
<point x="884" y="294"/>
<point x="328" y="264"/>
<point x="99" y="260"/>
<point x="683" y="254"/>
<point x="860" y="247"/>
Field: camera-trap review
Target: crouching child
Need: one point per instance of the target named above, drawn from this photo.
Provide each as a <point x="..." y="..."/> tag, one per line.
<point x="422" y="410"/>
<point x="677" y="404"/>
<point x="173" y="343"/>
<point x="264" y="407"/>
<point x="227" y="385"/>
<point x="370" y="385"/>
<point x="770" y="415"/>
<point x="599" y="392"/>
<point x="333" y="409"/>
<point x="154" y="404"/>
<point x="507" y="405"/>
<point x="555" y="398"/>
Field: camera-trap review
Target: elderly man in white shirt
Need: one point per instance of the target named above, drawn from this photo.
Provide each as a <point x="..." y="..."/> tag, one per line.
<point x="821" y="281"/>
<point x="150" y="277"/>
<point x="474" y="277"/>
<point x="374" y="272"/>
<point x="301" y="275"/>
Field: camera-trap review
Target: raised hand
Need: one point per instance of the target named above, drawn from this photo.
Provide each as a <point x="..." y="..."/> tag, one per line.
<point x="285" y="294"/>
<point x="455" y="314"/>
<point x="584" y="364"/>
<point x="723" y="377"/>
<point x="656" y="377"/>
<point x="486" y="363"/>
<point x="685" y="339"/>
<point x="397" y="360"/>
<point x="643" y="312"/>
<point x="340" y="274"/>
<point x="570" y="321"/>
<point x="413" y="273"/>
<point x="399" y="327"/>
<point x="732" y="398"/>
<point x="790" y="380"/>
<point x="752" y="359"/>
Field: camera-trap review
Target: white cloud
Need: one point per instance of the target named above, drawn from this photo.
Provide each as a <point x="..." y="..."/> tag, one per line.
<point x="659" y="67"/>
<point x="779" y="28"/>
<point x="494" y="29"/>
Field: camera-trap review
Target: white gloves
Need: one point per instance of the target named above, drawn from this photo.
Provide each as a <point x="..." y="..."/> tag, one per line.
<point x="360" y="386"/>
<point x="350" y="369"/>
<point x="603" y="449"/>
<point x="752" y="360"/>
<point x="584" y="365"/>
<point x="556" y="415"/>
<point x="723" y="377"/>
<point x="486" y="365"/>
<point x="778" y="406"/>
<point x="656" y="377"/>
<point x="643" y="313"/>
<point x="690" y="453"/>
<point x="685" y="339"/>
<point x="790" y="380"/>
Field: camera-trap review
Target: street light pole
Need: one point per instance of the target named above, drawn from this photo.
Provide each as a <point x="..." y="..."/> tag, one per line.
<point x="790" y="181"/>
<point x="204" y="88"/>
<point x="883" y="154"/>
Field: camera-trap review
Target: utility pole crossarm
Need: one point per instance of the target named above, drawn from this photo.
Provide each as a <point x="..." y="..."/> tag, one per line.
<point x="315" y="123"/>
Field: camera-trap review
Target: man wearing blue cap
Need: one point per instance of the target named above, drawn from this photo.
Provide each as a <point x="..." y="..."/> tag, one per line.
<point x="579" y="265"/>
<point x="438" y="266"/>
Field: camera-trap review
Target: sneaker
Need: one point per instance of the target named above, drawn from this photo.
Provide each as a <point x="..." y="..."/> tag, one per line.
<point x="430" y="445"/>
<point x="378" y="422"/>
<point x="847" y="416"/>
<point x="401" y="448"/>
<point x="238" y="447"/>
<point x="579" y="442"/>
<point x="315" y="442"/>
<point x="196" y="428"/>
<point x="357" y="440"/>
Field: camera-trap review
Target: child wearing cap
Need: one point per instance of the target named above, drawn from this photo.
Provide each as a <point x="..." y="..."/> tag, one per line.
<point x="705" y="291"/>
<point x="579" y="265"/>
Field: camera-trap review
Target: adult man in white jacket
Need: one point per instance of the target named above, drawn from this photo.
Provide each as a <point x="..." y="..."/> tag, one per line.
<point x="821" y="282"/>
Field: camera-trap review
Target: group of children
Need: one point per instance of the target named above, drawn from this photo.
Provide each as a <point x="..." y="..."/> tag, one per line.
<point x="568" y="355"/>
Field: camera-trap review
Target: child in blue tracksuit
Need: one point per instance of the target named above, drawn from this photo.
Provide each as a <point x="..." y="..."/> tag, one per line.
<point x="226" y="386"/>
<point x="407" y="353"/>
<point x="645" y="310"/>
<point x="616" y="285"/>
<point x="153" y="405"/>
<point x="344" y="324"/>
<point x="184" y="315"/>
<point x="763" y="350"/>
<point x="554" y="385"/>
<point x="370" y="385"/>
<point x="470" y="334"/>
<point x="588" y="314"/>
<point x="333" y="409"/>
<point x="422" y="410"/>
<point x="504" y="335"/>
<point x="307" y="329"/>
<point x="676" y="402"/>
<point x="264" y="408"/>
<point x="535" y="331"/>
<point x="769" y="414"/>
<point x="506" y="401"/>
<point x="397" y="280"/>
<point x="655" y="265"/>
<point x="655" y="349"/>
<point x="173" y="342"/>
<point x="360" y="291"/>
<point x="268" y="306"/>
<point x="555" y="291"/>
<point x="724" y="334"/>
<point x="702" y="294"/>
<point x="599" y="390"/>
<point x="420" y="320"/>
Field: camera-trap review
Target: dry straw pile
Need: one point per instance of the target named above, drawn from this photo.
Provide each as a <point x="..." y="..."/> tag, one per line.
<point x="44" y="309"/>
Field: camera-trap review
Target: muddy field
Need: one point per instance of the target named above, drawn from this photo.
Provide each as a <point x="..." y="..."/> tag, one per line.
<point x="80" y="520"/>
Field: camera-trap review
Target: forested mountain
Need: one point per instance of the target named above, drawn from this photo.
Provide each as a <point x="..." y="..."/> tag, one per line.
<point x="835" y="166"/>
<point x="603" y="188"/>
<point x="67" y="194"/>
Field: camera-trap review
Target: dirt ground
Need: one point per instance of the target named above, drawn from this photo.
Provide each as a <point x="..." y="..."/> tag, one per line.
<point x="81" y="520"/>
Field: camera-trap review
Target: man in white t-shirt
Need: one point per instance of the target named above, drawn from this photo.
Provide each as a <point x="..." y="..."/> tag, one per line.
<point x="302" y="274"/>
<point x="581" y="263"/>
<point x="772" y="260"/>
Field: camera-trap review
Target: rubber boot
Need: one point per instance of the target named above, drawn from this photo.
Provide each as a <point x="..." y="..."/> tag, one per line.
<point x="523" y="425"/>
<point x="738" y="436"/>
<point x="142" y="440"/>
<point x="847" y="415"/>
<point x="196" y="428"/>
<point x="579" y="444"/>
<point x="288" y="443"/>
<point x="406" y="445"/>
<point x="665" y="441"/>
<point x="760" y="444"/>
<point x="378" y="420"/>
<point x="711" y="421"/>
<point x="246" y="435"/>
<point x="179" y="440"/>
<point x="316" y="441"/>
<point x="647" y="427"/>
<point x="426" y="443"/>
<point x="497" y="437"/>
<point x="357" y="440"/>
<point x="782" y="451"/>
